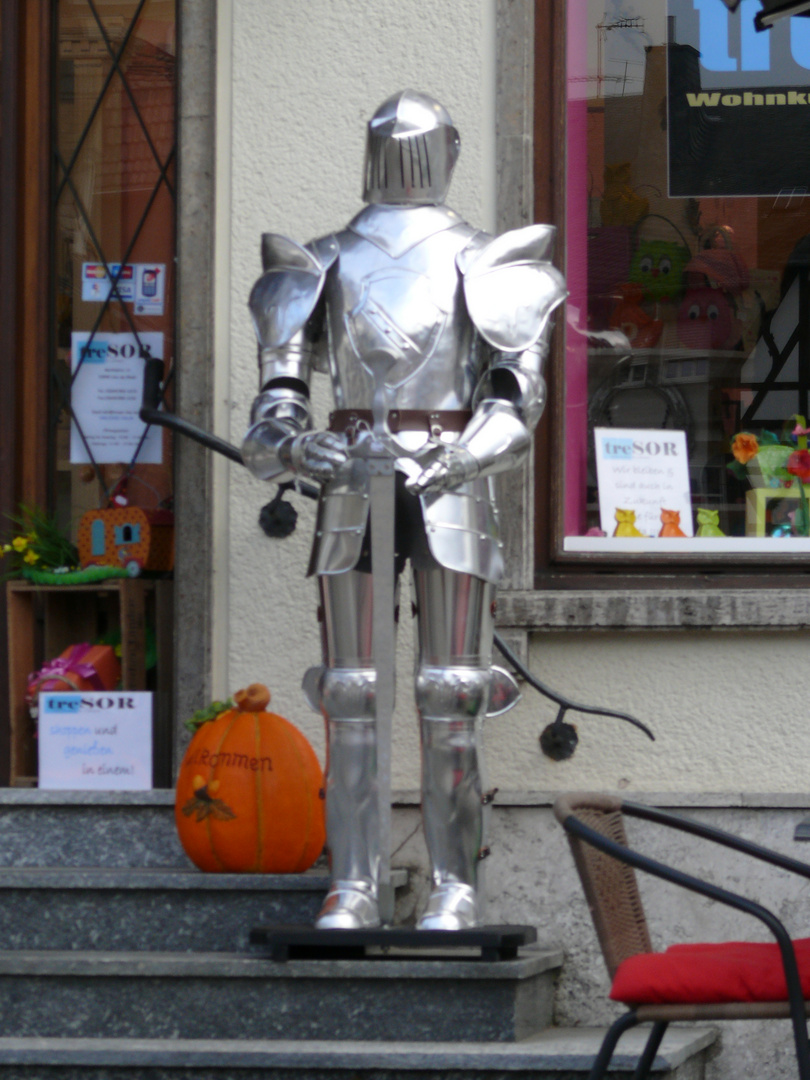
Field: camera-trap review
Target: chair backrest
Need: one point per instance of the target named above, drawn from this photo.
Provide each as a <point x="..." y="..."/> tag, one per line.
<point x="610" y="885"/>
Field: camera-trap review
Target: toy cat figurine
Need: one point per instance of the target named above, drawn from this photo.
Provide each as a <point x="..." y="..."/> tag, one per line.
<point x="707" y="521"/>
<point x="626" y="524"/>
<point x="671" y="523"/>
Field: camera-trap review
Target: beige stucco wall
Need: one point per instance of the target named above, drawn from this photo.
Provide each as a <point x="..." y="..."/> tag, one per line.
<point x="304" y="80"/>
<point x="301" y="81"/>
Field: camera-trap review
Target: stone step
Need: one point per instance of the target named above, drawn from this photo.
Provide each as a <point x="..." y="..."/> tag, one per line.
<point x="88" y="828"/>
<point x="557" y="1054"/>
<point x="150" y="908"/>
<point x="55" y="994"/>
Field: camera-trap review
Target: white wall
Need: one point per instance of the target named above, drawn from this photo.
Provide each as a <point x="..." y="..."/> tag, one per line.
<point x="727" y="709"/>
<point x="298" y="82"/>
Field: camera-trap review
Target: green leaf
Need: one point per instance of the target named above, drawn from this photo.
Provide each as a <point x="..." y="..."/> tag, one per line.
<point x="772" y="461"/>
<point x="204" y="716"/>
<point x="801" y="519"/>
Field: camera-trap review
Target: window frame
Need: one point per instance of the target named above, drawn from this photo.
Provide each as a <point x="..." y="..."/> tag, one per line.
<point x="546" y="588"/>
<point x="551" y="557"/>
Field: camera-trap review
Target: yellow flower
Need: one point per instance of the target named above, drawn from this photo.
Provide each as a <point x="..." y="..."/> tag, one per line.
<point x="19" y="543"/>
<point x="31" y="557"/>
<point x="744" y="447"/>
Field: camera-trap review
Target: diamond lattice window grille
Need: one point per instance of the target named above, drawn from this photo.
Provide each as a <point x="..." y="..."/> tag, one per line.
<point x="102" y="161"/>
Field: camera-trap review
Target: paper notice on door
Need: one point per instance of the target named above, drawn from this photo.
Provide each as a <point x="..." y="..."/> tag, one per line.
<point x="106" y="399"/>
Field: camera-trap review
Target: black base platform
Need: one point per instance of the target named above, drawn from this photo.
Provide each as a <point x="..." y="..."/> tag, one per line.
<point x="390" y="943"/>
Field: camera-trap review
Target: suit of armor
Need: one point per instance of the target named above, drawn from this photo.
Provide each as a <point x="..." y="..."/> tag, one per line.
<point x="462" y="321"/>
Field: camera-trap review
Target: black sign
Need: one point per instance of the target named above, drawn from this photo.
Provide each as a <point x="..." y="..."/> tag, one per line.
<point x="738" y="102"/>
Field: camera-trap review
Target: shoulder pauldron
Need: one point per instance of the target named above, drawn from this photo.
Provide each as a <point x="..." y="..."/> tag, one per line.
<point x="285" y="296"/>
<point x="511" y="287"/>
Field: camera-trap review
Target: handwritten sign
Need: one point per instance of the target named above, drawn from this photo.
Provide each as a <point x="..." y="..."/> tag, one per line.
<point x="95" y="740"/>
<point x="646" y="471"/>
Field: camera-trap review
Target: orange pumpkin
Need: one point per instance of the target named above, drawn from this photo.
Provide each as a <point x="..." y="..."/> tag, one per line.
<point x="249" y="795"/>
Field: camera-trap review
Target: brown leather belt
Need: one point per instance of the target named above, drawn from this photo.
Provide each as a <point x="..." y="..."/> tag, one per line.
<point x="433" y="422"/>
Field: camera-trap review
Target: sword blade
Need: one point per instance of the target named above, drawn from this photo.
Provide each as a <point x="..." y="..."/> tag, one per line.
<point x="381" y="476"/>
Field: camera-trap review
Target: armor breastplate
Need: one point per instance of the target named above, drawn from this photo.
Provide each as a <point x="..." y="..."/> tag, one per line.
<point x="395" y="286"/>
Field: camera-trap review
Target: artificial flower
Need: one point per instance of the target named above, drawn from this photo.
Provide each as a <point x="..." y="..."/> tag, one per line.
<point x="38" y="544"/>
<point x="744" y="446"/>
<point x="798" y="464"/>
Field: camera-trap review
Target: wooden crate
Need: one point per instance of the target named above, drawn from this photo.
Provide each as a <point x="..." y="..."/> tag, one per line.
<point x="43" y="620"/>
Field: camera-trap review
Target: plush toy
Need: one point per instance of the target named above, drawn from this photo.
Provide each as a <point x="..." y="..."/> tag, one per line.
<point x="658" y="266"/>
<point x="620" y="205"/>
<point x="642" y="330"/>
<point x="706" y="319"/>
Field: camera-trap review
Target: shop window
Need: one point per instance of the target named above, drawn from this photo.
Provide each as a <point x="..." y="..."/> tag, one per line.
<point x="114" y="247"/>
<point x="687" y="236"/>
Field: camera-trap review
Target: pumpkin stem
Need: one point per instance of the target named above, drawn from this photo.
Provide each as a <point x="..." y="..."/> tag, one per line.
<point x="255" y="698"/>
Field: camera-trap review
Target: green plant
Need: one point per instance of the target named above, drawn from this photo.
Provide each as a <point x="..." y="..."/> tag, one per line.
<point x="39" y="544"/>
<point x="780" y="459"/>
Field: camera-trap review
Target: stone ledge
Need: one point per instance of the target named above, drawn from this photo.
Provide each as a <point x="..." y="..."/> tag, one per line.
<point x="33" y="798"/>
<point x="533" y="961"/>
<point x="555" y="1049"/>
<point x="682" y="800"/>
<point x="158" y="878"/>
<point x="39" y="797"/>
<point x="655" y="609"/>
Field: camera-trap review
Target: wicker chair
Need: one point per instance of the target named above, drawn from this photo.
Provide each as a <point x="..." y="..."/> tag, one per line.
<point x="679" y="984"/>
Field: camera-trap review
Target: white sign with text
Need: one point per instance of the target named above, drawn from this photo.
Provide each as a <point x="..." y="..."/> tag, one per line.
<point x="645" y="471"/>
<point x="106" y="398"/>
<point x="95" y="740"/>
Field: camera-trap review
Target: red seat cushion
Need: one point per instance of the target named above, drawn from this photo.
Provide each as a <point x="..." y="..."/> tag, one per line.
<point x="708" y="974"/>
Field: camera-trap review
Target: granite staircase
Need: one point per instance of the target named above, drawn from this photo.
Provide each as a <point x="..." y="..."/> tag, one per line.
<point x="119" y="961"/>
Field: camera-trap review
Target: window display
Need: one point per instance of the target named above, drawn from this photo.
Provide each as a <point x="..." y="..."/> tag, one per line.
<point x="688" y="263"/>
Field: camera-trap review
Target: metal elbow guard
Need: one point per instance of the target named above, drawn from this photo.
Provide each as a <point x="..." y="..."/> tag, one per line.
<point x="496" y="439"/>
<point x="293" y="360"/>
<point x="278" y="415"/>
<point x="518" y="379"/>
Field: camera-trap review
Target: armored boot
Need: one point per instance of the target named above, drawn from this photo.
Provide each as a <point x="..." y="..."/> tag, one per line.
<point x="453" y="817"/>
<point x="352" y="827"/>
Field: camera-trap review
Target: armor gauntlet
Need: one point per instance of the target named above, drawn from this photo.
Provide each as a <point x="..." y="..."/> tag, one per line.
<point x="510" y="401"/>
<point x="280" y="445"/>
<point x="280" y="414"/>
